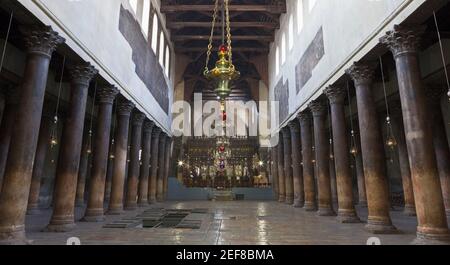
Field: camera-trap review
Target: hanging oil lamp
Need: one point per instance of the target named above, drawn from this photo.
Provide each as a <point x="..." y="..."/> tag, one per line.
<point x="224" y="72"/>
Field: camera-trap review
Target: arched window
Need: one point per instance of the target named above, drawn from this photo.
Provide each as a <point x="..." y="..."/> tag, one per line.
<point x="161" y="49"/>
<point x="167" y="64"/>
<point x="291" y="32"/>
<point x="283" y="48"/>
<point x="299" y="16"/>
<point x="155" y="33"/>
<point x="277" y="61"/>
<point x="146" y="17"/>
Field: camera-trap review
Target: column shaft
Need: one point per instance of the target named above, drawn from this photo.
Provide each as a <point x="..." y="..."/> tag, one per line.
<point x="95" y="211"/>
<point x="124" y="108"/>
<point x="82" y="172"/>
<point x="299" y="195"/>
<point x="154" y="168"/>
<point x="40" y="42"/>
<point x="307" y="158"/>
<point x="322" y="149"/>
<point x="134" y="165"/>
<point x="432" y="222"/>
<point x="346" y="211"/>
<point x="161" y="165"/>
<point x="281" y="173"/>
<point x="145" y="167"/>
<point x="379" y="220"/>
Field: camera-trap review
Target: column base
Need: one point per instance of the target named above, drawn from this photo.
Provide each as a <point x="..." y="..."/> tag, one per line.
<point x="152" y="201"/>
<point x="94" y="215"/>
<point x="447" y="212"/>
<point x="281" y="198"/>
<point x="380" y="227"/>
<point x="348" y="217"/>
<point x="62" y="223"/>
<point x="326" y="211"/>
<point x="432" y="236"/>
<point x="409" y="210"/>
<point x="298" y="203"/>
<point x="14" y="236"/>
<point x="310" y="207"/>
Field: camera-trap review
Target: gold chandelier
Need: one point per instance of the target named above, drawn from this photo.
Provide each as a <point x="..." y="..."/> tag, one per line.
<point x="224" y="73"/>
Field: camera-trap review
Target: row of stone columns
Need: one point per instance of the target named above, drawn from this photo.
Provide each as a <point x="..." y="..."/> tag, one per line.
<point x="423" y="149"/>
<point x="25" y="140"/>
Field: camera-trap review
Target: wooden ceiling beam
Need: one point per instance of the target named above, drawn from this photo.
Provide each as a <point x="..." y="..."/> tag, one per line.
<point x="235" y="49"/>
<point x="189" y="24"/>
<point x="272" y="9"/>
<point x="262" y="38"/>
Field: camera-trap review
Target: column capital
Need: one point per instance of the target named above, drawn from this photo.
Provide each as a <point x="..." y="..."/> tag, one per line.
<point x="403" y="39"/>
<point x="294" y="126"/>
<point x="304" y="116"/>
<point x="362" y="72"/>
<point x="138" y="118"/>
<point x="124" y="106"/>
<point x="336" y="94"/>
<point x="82" y="73"/>
<point x="156" y="132"/>
<point x="148" y="126"/>
<point x="318" y="108"/>
<point x="107" y="94"/>
<point x="41" y="40"/>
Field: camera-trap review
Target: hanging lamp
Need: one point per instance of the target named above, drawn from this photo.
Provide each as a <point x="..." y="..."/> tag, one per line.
<point x="442" y="54"/>
<point x="224" y="72"/>
<point x="54" y="129"/>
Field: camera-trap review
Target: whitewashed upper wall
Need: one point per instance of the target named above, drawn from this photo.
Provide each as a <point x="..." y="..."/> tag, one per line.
<point x="351" y="28"/>
<point x="91" y="29"/>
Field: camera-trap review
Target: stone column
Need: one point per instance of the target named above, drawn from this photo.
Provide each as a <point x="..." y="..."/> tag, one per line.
<point x="299" y="195"/>
<point x="161" y="164"/>
<point x="434" y="95"/>
<point x="134" y="165"/>
<point x="319" y="111"/>
<point x="94" y="210"/>
<point x="288" y="174"/>
<point x="82" y="172"/>
<point x="154" y="169"/>
<point x="63" y="217"/>
<point x="307" y="158"/>
<point x="274" y="169"/>
<point x="405" y="171"/>
<point x="167" y="165"/>
<point x="346" y="211"/>
<point x="372" y="148"/>
<point x="362" y="196"/>
<point x="432" y="222"/>
<point x="108" y="180"/>
<point x="334" y="192"/>
<point x="41" y="42"/>
<point x="145" y="167"/>
<point x="281" y="173"/>
<point x="9" y="114"/>
<point x="124" y="108"/>
<point x="38" y="167"/>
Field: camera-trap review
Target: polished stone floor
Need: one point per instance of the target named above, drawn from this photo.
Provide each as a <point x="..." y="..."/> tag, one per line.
<point x="235" y="222"/>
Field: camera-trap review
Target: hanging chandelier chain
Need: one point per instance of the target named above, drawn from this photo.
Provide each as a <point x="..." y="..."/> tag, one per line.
<point x="6" y="40"/>
<point x="384" y="87"/>
<point x="230" y="53"/>
<point x="92" y="110"/>
<point x="211" y="36"/>
<point x="59" y="89"/>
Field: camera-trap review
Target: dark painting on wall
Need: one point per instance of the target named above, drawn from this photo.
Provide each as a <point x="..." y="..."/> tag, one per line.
<point x="312" y="56"/>
<point x="282" y="96"/>
<point x="147" y="66"/>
